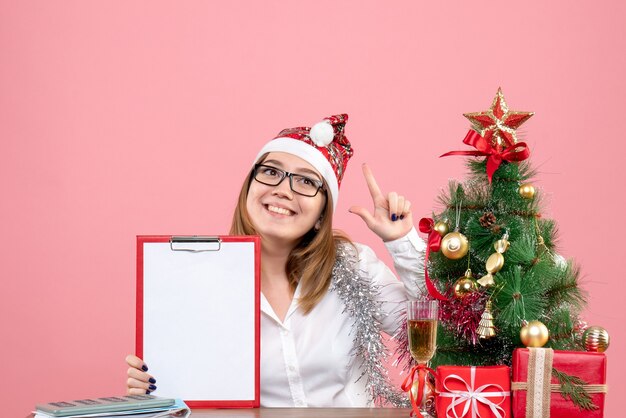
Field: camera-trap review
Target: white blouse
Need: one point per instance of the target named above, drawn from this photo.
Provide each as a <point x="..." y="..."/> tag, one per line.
<point x="306" y="360"/>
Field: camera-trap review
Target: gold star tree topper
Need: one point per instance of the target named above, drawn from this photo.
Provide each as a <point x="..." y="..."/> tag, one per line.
<point x="498" y="123"/>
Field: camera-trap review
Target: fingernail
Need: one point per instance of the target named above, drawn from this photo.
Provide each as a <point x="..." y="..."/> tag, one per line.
<point x="401" y="216"/>
<point x="394" y="217"/>
<point x="144" y="368"/>
<point x="152" y="380"/>
<point x="152" y="387"/>
<point x="147" y="392"/>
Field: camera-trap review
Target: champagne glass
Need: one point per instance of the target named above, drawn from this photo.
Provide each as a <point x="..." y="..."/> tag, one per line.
<point x="422" y="318"/>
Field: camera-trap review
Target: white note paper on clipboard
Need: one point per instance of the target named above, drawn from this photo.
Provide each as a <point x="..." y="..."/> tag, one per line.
<point x="198" y="317"/>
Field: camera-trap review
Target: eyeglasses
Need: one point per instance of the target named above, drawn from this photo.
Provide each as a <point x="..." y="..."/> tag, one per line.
<point x="272" y="176"/>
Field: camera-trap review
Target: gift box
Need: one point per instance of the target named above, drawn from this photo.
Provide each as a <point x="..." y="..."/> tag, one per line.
<point x="554" y="383"/>
<point x="470" y="392"/>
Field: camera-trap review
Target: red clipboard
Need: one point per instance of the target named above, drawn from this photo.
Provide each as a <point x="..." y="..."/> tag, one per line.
<point x="198" y="317"/>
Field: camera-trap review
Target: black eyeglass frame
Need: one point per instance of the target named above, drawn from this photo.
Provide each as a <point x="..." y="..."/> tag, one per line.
<point x="285" y="174"/>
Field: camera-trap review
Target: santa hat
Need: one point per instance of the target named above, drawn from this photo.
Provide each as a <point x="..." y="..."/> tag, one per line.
<point x="324" y="146"/>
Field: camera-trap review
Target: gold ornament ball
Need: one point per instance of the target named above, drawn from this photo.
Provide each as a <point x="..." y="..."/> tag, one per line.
<point x="596" y="339"/>
<point x="464" y="286"/>
<point x="527" y="191"/>
<point x="428" y="391"/>
<point x="442" y="228"/>
<point x="534" y="334"/>
<point x="454" y="245"/>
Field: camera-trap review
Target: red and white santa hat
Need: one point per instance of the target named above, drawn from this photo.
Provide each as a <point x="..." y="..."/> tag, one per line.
<point x="324" y="146"/>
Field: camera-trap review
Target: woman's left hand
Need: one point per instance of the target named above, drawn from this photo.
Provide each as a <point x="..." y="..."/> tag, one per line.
<point x="392" y="216"/>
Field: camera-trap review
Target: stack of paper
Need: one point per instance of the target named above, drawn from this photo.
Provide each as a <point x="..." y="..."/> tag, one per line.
<point x="131" y="406"/>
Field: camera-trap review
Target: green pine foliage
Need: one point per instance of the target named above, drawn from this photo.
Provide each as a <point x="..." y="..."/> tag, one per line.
<point x="535" y="282"/>
<point x="572" y="388"/>
<point x="457" y="351"/>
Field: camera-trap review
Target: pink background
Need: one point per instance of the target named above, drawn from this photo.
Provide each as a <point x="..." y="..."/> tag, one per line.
<point x="121" y="118"/>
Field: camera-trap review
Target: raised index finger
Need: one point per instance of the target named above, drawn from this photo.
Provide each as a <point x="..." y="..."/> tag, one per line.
<point x="371" y="183"/>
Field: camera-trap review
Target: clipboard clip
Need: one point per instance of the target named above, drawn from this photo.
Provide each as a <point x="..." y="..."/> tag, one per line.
<point x="195" y="243"/>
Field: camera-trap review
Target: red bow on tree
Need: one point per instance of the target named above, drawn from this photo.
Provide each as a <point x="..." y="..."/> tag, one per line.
<point x="434" y="244"/>
<point x="516" y="152"/>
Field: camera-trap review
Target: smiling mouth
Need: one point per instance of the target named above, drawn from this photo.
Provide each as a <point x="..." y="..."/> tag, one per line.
<point x="280" y="211"/>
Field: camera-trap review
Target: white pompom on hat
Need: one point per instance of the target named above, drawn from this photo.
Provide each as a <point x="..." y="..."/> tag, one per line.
<point x="322" y="133"/>
<point x="324" y="146"/>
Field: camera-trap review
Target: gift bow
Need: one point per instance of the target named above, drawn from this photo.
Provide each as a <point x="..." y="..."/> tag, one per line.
<point x="426" y="226"/>
<point x="516" y="152"/>
<point x="472" y="396"/>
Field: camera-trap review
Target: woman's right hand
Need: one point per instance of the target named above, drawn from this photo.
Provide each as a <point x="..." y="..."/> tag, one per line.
<point x="139" y="381"/>
<point x="392" y="217"/>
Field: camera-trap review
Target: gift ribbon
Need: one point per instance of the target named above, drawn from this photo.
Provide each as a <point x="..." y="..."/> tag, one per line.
<point x="517" y="152"/>
<point x="472" y="396"/>
<point x="556" y="387"/>
<point x="422" y="371"/>
<point x="539" y="376"/>
<point x="426" y="225"/>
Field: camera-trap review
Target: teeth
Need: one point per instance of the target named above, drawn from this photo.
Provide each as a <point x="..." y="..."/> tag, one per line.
<point x="278" y="210"/>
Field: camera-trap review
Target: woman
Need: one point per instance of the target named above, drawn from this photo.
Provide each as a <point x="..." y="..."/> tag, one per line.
<point x="324" y="299"/>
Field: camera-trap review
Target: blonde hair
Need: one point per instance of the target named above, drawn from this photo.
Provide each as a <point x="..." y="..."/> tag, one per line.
<point x="311" y="262"/>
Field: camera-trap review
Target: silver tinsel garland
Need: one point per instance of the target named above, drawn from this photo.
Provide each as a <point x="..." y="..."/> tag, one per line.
<point x="361" y="302"/>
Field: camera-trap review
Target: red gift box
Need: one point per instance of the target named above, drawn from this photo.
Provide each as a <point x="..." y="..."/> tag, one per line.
<point x="537" y="391"/>
<point x="464" y="391"/>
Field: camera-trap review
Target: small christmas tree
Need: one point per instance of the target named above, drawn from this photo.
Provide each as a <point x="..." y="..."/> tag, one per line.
<point x="492" y="259"/>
